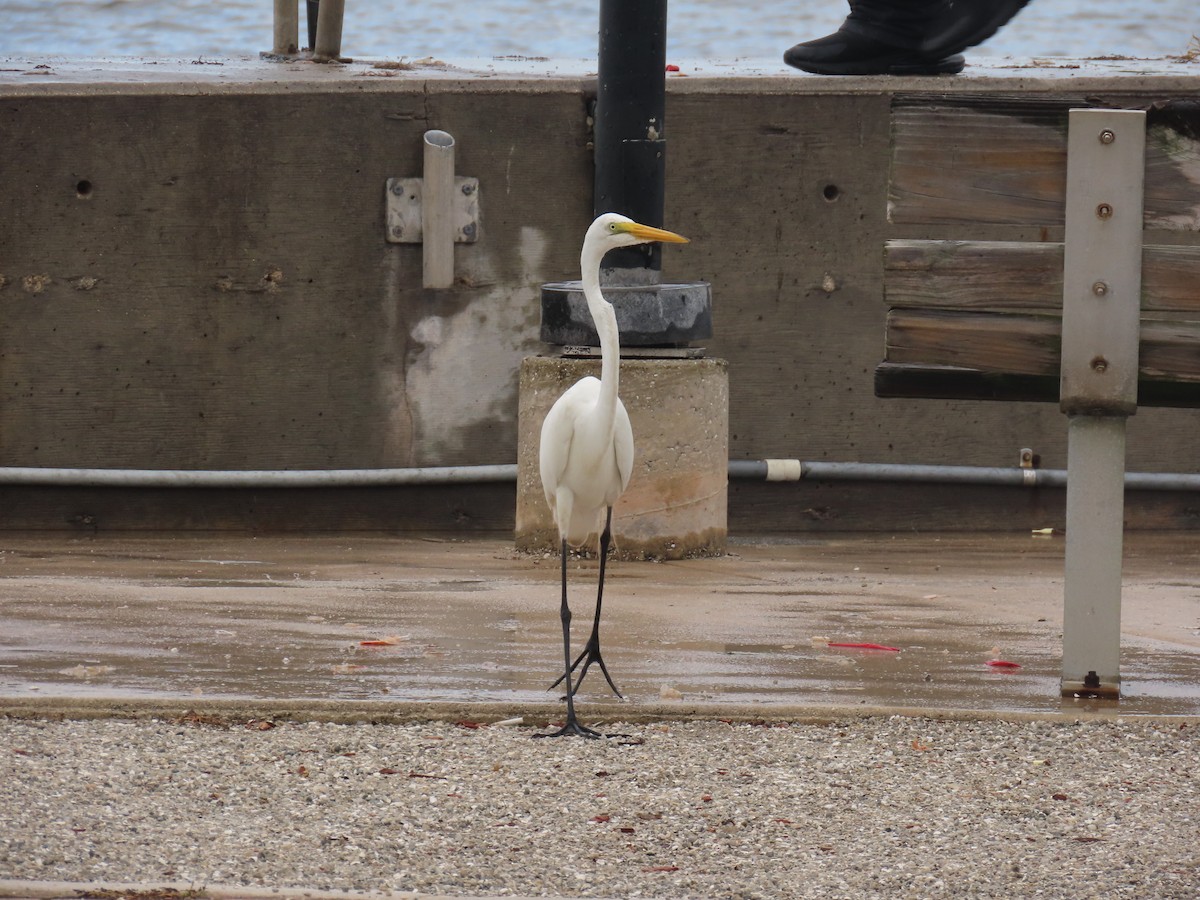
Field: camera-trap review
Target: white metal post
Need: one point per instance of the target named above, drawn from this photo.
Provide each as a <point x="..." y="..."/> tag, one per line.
<point x="1092" y="592"/>
<point x="287" y="19"/>
<point x="1100" y="331"/>
<point x="437" y="211"/>
<point x="329" y="31"/>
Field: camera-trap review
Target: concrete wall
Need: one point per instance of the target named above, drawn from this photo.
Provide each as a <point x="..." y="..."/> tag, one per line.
<point x="193" y="274"/>
<point x="224" y="297"/>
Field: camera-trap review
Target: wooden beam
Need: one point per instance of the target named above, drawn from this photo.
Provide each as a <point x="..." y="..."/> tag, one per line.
<point x="1003" y="161"/>
<point x="1023" y="344"/>
<point x="973" y="274"/>
<point x="1021" y="275"/>
<point x="1170" y="279"/>
<point x="954" y="165"/>
<point x="894" y="381"/>
<point x="925" y="382"/>
<point x="992" y="342"/>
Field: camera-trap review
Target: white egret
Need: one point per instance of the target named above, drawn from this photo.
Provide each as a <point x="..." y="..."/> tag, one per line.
<point x="586" y="450"/>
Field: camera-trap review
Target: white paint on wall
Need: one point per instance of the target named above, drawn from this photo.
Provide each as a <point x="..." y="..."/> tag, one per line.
<point x="462" y="370"/>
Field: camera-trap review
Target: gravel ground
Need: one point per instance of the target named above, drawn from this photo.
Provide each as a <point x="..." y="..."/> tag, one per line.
<point x="872" y="807"/>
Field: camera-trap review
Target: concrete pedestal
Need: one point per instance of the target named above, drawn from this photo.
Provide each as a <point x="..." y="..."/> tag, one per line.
<point x="675" y="505"/>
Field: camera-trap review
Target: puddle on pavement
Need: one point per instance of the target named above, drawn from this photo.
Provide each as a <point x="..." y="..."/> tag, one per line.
<point x="430" y="657"/>
<point x="201" y="622"/>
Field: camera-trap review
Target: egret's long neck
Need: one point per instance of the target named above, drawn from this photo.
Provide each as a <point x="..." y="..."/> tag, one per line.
<point x="605" y="319"/>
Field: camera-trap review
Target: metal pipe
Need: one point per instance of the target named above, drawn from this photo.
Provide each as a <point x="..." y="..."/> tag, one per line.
<point x="739" y="469"/>
<point x="796" y="470"/>
<point x="329" y="31"/>
<point x="993" y="475"/>
<point x="437" y="211"/>
<point x="287" y="24"/>
<point x="313" y="12"/>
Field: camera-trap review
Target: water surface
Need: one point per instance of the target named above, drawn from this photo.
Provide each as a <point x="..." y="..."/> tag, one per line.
<point x="717" y="29"/>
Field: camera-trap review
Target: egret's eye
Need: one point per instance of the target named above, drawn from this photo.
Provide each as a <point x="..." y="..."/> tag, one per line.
<point x="612" y="227"/>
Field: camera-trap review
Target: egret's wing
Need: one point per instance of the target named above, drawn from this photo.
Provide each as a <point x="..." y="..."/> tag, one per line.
<point x="554" y="449"/>
<point x="623" y="444"/>
<point x="558" y="432"/>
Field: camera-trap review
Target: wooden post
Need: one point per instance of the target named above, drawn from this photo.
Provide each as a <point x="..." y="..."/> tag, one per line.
<point x="1100" y="332"/>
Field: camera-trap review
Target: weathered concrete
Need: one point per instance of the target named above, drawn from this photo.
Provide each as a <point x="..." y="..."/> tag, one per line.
<point x="194" y="274"/>
<point x="676" y="505"/>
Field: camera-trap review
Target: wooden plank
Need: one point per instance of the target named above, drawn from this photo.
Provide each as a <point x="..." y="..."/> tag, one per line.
<point x="1173" y="164"/>
<point x="1002" y="161"/>
<point x="1002" y="166"/>
<point x="895" y="381"/>
<point x="1170" y="279"/>
<point x="974" y="274"/>
<point x="929" y="382"/>
<point x="993" y="342"/>
<point x="1022" y="344"/>
<point x="1021" y="275"/>
<point x="1170" y="351"/>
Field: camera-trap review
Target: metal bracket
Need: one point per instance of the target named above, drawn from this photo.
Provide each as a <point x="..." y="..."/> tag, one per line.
<point x="404" y="210"/>
<point x="1102" y="266"/>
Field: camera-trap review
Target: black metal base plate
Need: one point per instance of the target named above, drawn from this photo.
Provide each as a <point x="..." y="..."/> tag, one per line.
<point x="647" y="315"/>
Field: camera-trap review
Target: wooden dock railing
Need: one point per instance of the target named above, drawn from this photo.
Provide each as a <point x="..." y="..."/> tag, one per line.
<point x="1093" y="303"/>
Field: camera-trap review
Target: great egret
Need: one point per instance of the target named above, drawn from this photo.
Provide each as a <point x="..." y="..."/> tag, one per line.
<point x="586" y="450"/>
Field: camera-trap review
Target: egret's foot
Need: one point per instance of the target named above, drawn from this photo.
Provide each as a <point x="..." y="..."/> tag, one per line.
<point x="590" y="654"/>
<point x="572" y="727"/>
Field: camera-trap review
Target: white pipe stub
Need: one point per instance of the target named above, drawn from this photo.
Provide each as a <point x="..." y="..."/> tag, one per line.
<point x="784" y="469"/>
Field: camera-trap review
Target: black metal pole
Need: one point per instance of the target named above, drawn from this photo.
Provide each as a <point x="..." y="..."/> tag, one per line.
<point x="314" y="7"/>
<point x="630" y="178"/>
<point x="630" y="137"/>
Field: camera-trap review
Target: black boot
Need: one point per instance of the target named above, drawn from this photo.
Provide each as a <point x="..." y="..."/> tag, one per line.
<point x="846" y="52"/>
<point x="904" y="37"/>
<point x="968" y="23"/>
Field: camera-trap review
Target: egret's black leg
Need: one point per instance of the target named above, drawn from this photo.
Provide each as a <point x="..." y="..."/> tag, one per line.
<point x="572" y="726"/>
<point x="591" y="650"/>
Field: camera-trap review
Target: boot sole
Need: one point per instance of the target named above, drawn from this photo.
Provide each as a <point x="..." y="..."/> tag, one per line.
<point x="900" y="64"/>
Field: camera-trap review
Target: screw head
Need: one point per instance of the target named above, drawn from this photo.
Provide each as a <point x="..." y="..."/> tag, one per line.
<point x="1107" y="136"/>
<point x="1100" y="365"/>
<point x="1099" y="288"/>
<point x="1104" y="211"/>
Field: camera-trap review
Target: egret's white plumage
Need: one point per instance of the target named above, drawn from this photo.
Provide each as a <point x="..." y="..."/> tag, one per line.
<point x="586" y="457"/>
<point x="586" y="450"/>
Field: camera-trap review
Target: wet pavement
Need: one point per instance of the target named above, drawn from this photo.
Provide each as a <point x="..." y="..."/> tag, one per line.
<point x="375" y="623"/>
